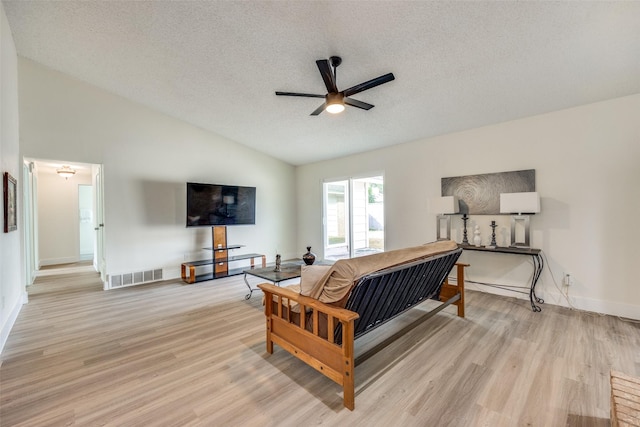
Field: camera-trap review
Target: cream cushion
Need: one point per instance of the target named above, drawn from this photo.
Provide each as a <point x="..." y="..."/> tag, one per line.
<point x="311" y="275"/>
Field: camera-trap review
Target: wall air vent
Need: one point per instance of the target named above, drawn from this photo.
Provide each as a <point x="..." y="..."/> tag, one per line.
<point x="116" y="281"/>
<point x="127" y="279"/>
<point x="135" y="278"/>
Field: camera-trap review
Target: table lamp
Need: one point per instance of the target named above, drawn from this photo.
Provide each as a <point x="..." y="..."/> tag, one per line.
<point x="519" y="205"/>
<point x="443" y="206"/>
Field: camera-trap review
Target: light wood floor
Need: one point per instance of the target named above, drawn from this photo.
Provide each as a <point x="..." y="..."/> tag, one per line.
<point x="168" y="354"/>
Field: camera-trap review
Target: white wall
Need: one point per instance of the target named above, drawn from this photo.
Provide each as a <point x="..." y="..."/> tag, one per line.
<point x="148" y="157"/>
<point x="12" y="288"/>
<point x="58" y="216"/>
<point x="587" y="173"/>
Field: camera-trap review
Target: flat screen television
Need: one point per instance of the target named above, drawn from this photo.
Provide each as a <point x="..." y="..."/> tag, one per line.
<point x="214" y="204"/>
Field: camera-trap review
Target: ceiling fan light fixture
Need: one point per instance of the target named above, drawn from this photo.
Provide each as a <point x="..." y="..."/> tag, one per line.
<point x="66" y="172"/>
<point x="335" y="103"/>
<point x="334" y="98"/>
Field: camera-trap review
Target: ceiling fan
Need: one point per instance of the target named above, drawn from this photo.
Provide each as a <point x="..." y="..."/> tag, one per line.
<point x="335" y="100"/>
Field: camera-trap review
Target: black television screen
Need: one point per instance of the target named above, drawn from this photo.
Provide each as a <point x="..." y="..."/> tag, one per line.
<point x="212" y="204"/>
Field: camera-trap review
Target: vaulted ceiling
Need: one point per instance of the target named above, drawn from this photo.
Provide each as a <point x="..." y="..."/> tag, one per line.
<point x="458" y="65"/>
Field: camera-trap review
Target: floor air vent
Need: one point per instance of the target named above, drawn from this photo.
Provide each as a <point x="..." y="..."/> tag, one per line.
<point x="135" y="278"/>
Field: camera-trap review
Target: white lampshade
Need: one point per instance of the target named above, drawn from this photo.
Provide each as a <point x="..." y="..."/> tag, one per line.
<point x="519" y="203"/>
<point x="444" y="205"/>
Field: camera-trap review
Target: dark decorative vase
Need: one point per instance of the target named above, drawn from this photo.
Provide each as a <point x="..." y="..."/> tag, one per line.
<point x="309" y="258"/>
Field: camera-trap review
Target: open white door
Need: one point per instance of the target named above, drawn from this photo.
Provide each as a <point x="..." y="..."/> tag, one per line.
<point x="99" y="262"/>
<point x="30" y="216"/>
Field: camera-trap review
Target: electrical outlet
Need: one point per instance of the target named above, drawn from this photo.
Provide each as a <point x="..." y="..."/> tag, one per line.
<point x="567" y="279"/>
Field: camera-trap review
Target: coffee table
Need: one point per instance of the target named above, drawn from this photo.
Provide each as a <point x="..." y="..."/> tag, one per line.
<point x="287" y="271"/>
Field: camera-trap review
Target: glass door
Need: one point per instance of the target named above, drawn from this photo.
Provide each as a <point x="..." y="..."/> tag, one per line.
<point x="353" y="217"/>
<point x="336" y="220"/>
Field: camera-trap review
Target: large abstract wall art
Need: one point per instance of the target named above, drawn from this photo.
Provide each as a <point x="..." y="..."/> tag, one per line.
<point x="480" y="194"/>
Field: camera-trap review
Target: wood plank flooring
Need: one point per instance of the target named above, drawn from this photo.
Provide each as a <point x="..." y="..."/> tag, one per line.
<point x="168" y="354"/>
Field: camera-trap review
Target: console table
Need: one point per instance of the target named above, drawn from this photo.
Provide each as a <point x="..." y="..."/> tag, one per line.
<point x="538" y="265"/>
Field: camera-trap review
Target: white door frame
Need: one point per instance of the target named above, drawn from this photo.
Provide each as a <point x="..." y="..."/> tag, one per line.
<point x="30" y="206"/>
<point x="349" y="208"/>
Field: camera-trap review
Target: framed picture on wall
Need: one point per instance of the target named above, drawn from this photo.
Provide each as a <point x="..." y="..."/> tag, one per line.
<point x="480" y="194"/>
<point x="10" y="194"/>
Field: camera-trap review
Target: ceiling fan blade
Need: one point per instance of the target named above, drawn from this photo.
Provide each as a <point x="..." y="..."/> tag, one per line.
<point x="308" y="95"/>
<point x="369" y="84"/>
<point x="319" y="110"/>
<point x="327" y="75"/>
<point x="356" y="103"/>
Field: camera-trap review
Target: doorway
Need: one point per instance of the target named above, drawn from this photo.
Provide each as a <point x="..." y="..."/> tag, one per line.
<point x="353" y="211"/>
<point x="62" y="227"/>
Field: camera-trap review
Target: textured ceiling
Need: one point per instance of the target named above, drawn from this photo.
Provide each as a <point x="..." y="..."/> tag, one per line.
<point x="458" y="65"/>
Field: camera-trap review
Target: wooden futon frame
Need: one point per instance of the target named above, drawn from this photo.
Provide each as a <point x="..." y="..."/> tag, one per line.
<point x="324" y="337"/>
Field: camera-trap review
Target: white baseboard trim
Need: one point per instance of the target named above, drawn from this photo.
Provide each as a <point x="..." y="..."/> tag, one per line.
<point x="611" y="308"/>
<point x="57" y="261"/>
<point x="8" y="325"/>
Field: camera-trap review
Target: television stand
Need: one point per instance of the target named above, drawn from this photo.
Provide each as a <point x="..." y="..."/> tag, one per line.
<point x="220" y="259"/>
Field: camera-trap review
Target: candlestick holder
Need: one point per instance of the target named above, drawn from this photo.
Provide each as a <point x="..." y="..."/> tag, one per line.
<point x="465" y="240"/>
<point x="493" y="235"/>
